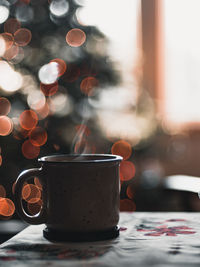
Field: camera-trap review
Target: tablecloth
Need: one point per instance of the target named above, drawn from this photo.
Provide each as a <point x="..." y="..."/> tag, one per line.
<point x="146" y="239"/>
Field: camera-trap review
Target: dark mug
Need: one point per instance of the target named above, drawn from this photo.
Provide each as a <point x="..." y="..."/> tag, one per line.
<point x="80" y="196"/>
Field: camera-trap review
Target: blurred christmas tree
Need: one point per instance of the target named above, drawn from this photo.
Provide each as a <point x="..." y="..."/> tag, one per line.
<point x="51" y="65"/>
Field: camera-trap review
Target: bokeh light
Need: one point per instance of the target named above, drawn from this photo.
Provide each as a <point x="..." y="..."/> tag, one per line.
<point x="127" y="170"/>
<point x="61" y="65"/>
<point x="2" y="46"/>
<point x="59" y="8"/>
<point x="31" y="193"/>
<point x="127" y="205"/>
<point x="10" y="80"/>
<point x="2" y="191"/>
<point x="34" y="208"/>
<point x="60" y="104"/>
<point x="37" y="183"/>
<point x="38" y="136"/>
<point x="6" y="125"/>
<point x="24" y="13"/>
<point x="43" y="112"/>
<point x="75" y="37"/>
<point x="49" y="89"/>
<point x="19" y="57"/>
<point x="49" y="73"/>
<point x="88" y="84"/>
<point x="30" y="151"/>
<point x="122" y="148"/>
<point x="22" y="36"/>
<point x="12" y="25"/>
<point x="1" y="160"/>
<point x="11" y="52"/>
<point x="23" y="133"/>
<point x="7" y="207"/>
<point x="26" y="191"/>
<point x="28" y="119"/>
<point x="4" y="13"/>
<point x="6" y="42"/>
<point x="35" y="56"/>
<point x="36" y="100"/>
<point x="5" y="106"/>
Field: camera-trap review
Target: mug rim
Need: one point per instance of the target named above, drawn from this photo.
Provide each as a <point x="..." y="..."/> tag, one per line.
<point x="89" y="158"/>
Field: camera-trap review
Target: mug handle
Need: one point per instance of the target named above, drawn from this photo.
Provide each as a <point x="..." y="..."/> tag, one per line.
<point x="23" y="176"/>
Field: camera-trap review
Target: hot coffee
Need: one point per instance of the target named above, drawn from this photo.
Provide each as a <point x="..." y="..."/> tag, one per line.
<point x="80" y="196"/>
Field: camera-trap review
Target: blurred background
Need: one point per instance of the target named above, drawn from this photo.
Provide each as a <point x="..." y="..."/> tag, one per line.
<point x="89" y="76"/>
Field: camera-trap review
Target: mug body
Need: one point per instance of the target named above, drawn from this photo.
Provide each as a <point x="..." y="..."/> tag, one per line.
<point x="82" y="192"/>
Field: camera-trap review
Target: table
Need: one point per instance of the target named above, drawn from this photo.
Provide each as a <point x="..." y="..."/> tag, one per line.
<point x="146" y="239"/>
<point x="10" y="228"/>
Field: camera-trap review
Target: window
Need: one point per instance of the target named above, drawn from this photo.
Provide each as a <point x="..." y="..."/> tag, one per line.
<point x="182" y="60"/>
<point x="171" y="45"/>
<point x="119" y="21"/>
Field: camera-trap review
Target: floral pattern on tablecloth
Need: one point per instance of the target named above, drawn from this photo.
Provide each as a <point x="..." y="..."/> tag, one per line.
<point x="146" y="239"/>
<point x="165" y="229"/>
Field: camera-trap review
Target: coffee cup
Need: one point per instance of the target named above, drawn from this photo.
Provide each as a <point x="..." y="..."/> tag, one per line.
<point x="80" y="196"/>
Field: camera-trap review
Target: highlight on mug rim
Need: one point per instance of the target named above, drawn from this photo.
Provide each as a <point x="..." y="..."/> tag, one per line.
<point x="80" y="158"/>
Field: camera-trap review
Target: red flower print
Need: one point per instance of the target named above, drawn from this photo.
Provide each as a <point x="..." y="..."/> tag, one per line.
<point x="168" y="231"/>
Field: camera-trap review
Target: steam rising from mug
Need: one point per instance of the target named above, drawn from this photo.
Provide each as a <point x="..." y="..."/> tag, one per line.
<point x="79" y="145"/>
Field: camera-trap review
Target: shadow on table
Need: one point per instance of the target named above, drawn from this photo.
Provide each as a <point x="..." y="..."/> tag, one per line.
<point x="10" y="228"/>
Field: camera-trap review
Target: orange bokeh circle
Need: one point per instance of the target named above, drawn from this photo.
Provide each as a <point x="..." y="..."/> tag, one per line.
<point x="75" y="37"/>
<point x="11" y="52"/>
<point x="28" y="119"/>
<point x="7" y="207"/>
<point x="88" y="84"/>
<point x="122" y="148"/>
<point x="6" y="125"/>
<point x="5" y="106"/>
<point x="22" y="37"/>
<point x="62" y="66"/>
<point x="26" y="191"/>
<point x="43" y="112"/>
<point x="12" y="25"/>
<point x="30" y="151"/>
<point x="31" y="193"/>
<point x="8" y="39"/>
<point x="127" y="170"/>
<point x="38" y="136"/>
<point x="49" y="89"/>
<point x="23" y="133"/>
